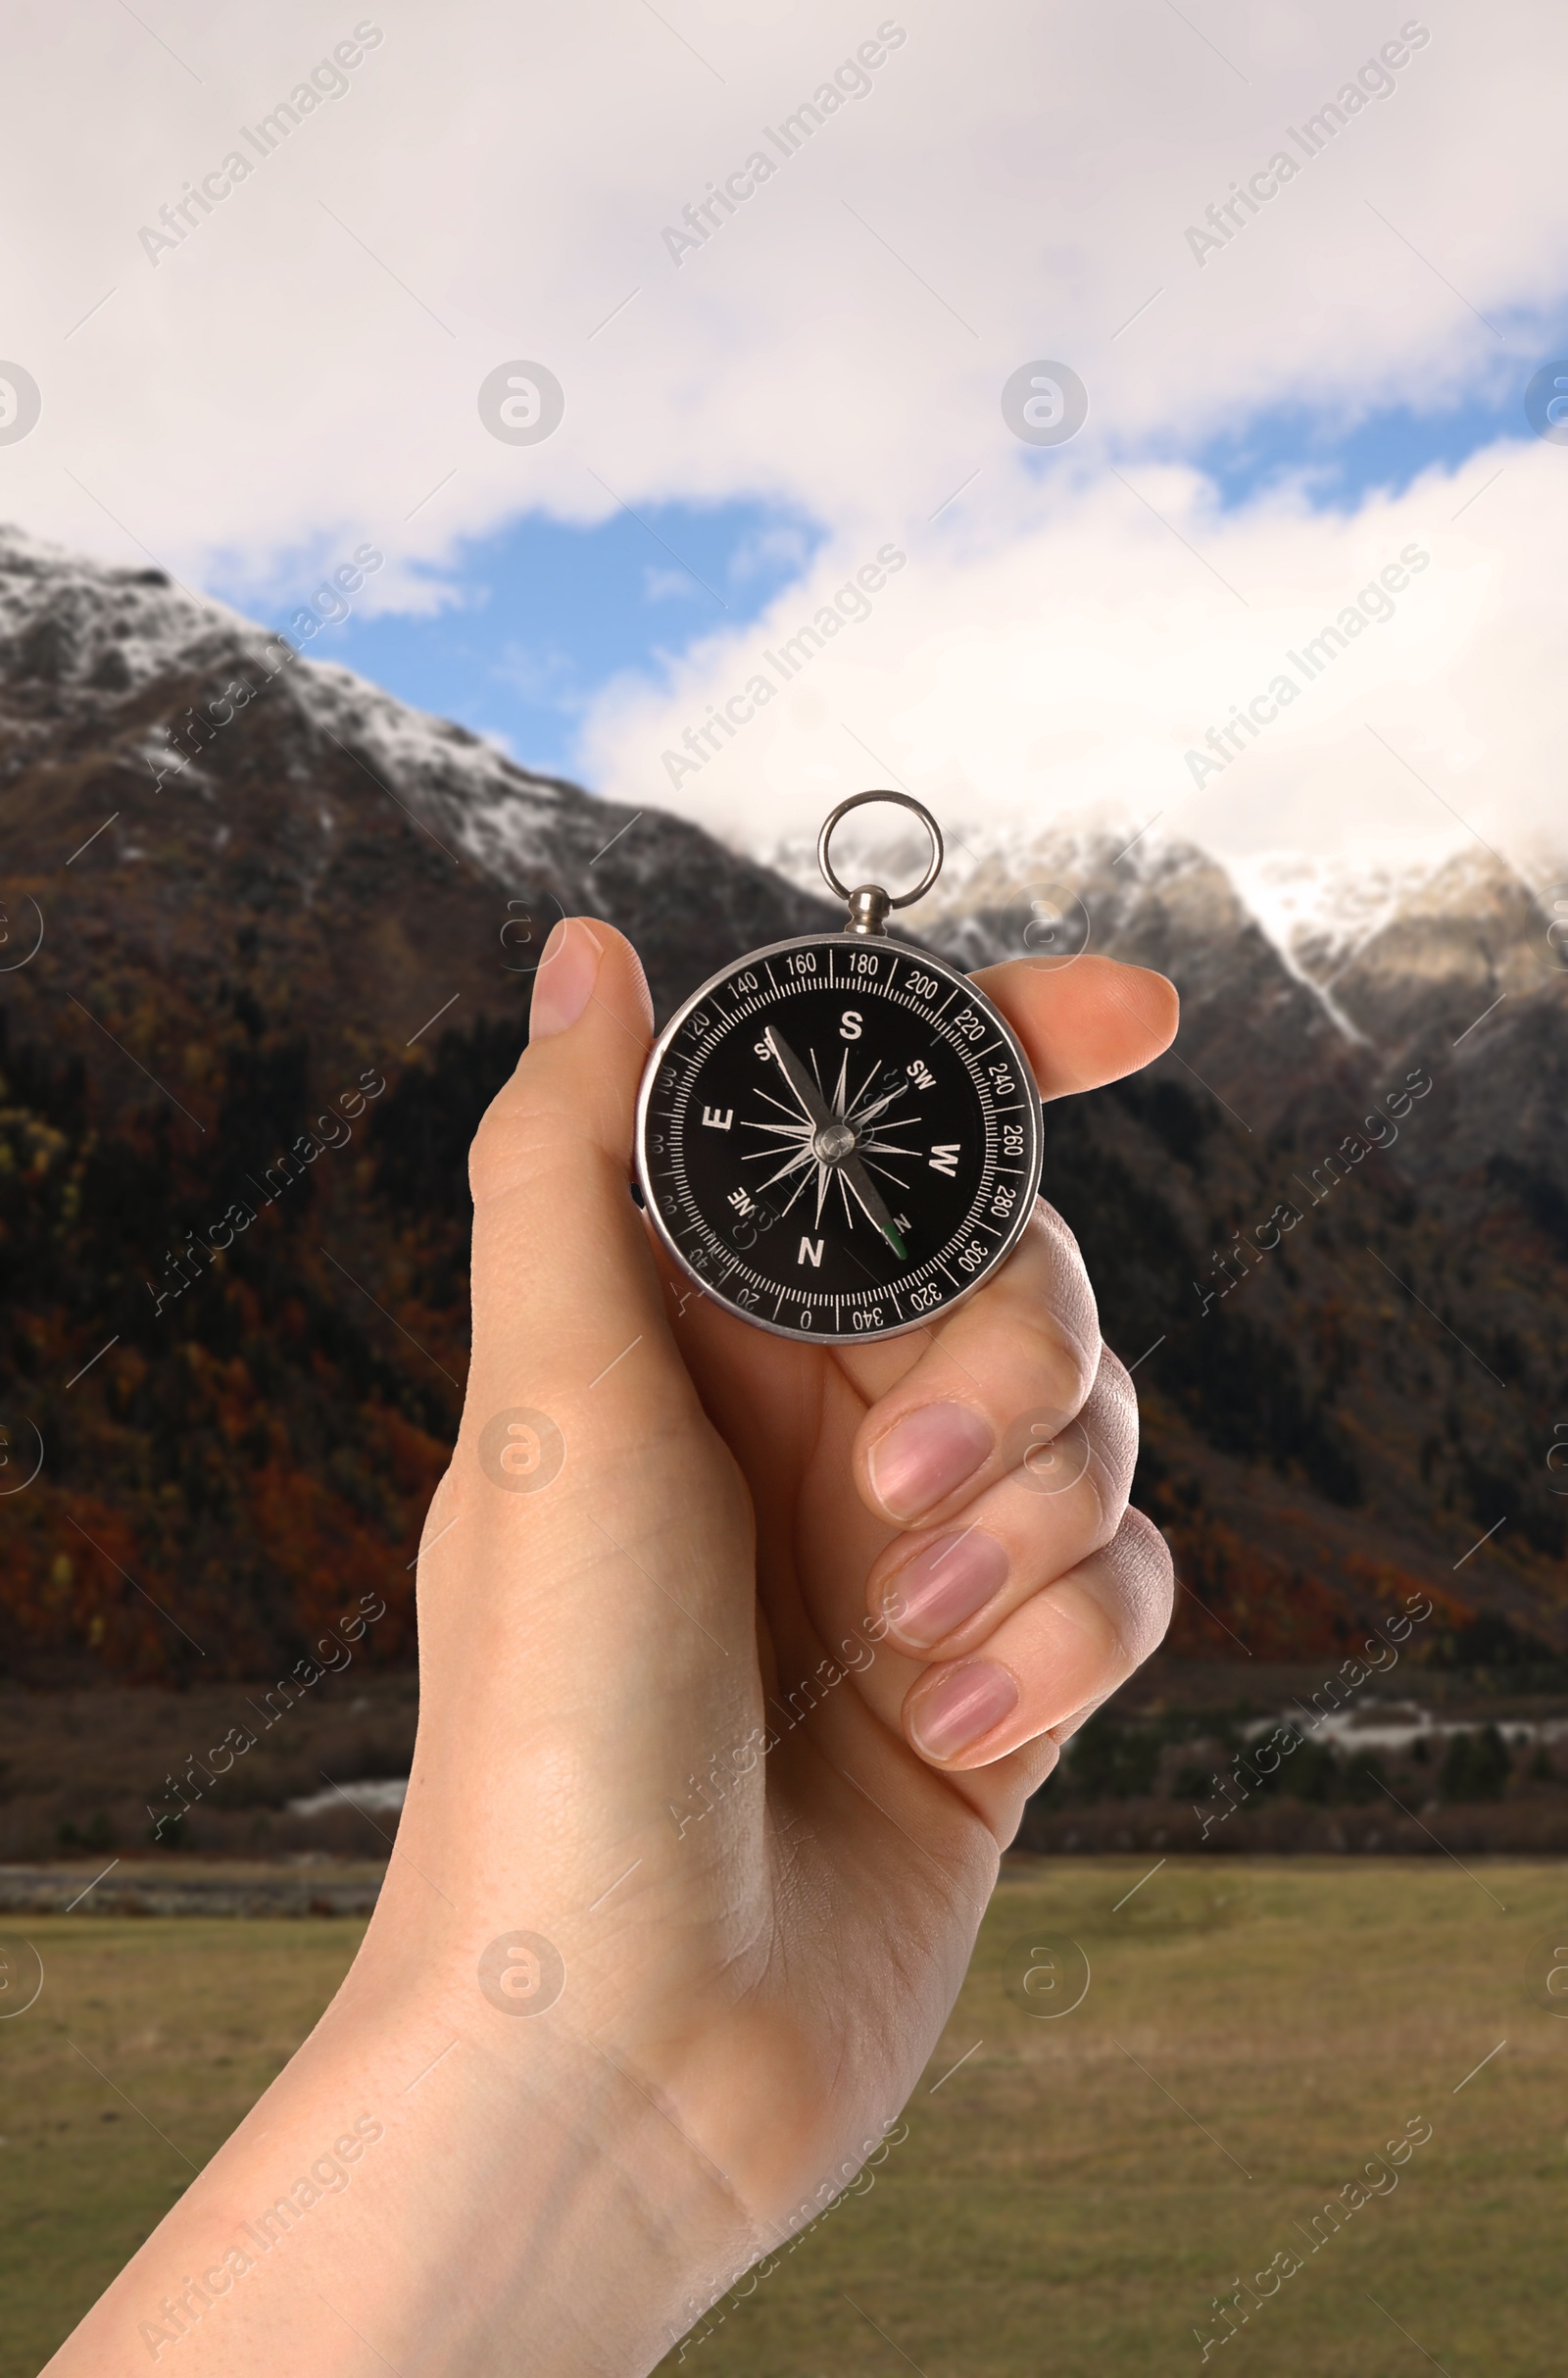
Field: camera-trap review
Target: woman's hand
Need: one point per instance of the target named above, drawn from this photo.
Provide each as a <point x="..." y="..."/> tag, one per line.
<point x="738" y="1660"/>
<point x="772" y="1945"/>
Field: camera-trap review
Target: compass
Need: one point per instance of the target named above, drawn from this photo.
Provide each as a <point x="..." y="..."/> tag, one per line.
<point x="838" y="1137"/>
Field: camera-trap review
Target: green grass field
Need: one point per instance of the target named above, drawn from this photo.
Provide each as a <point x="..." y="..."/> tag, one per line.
<point x="1069" y="2200"/>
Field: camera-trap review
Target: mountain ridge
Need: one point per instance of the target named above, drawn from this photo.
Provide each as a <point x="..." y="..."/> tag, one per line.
<point x="334" y="891"/>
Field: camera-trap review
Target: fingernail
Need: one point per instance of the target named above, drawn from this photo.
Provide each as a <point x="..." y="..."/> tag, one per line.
<point x="943" y="1586"/>
<point x="926" y="1456"/>
<point x="964" y="1705"/>
<point x="564" y="981"/>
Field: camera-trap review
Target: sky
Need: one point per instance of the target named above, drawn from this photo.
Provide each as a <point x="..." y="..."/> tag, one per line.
<point x="289" y="282"/>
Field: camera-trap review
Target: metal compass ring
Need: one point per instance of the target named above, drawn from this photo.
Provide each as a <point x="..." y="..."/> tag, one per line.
<point x="902" y="801"/>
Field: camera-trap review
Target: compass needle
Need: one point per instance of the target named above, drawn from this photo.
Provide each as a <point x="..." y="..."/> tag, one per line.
<point x="855" y="1178"/>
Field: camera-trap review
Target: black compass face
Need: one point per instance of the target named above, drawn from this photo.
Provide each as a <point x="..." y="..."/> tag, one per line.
<point x="838" y="1137"/>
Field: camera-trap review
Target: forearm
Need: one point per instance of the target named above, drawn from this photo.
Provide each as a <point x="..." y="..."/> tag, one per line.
<point x="456" y="2200"/>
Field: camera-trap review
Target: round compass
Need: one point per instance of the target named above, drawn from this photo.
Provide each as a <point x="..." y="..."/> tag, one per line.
<point x="839" y="1136"/>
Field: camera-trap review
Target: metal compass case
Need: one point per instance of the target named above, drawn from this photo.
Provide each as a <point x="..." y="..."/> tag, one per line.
<point x="838" y="1137"/>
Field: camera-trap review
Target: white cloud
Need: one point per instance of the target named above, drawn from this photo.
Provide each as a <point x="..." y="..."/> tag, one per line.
<point x="492" y="183"/>
<point x="1067" y="656"/>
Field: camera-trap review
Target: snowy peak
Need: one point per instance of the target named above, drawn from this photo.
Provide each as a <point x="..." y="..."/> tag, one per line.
<point x="1290" y="967"/>
<point x="97" y="629"/>
<point x="96" y="639"/>
<point x="1319" y="912"/>
<point x="233" y="813"/>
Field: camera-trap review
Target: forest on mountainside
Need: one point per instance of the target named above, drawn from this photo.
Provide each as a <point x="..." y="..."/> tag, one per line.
<point x="258" y="1444"/>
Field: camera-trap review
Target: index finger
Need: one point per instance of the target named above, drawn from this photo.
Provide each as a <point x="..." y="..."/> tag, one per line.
<point x="1083" y="1023"/>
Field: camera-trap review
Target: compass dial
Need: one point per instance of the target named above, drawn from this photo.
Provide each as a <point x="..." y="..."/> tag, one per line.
<point x="838" y="1137"/>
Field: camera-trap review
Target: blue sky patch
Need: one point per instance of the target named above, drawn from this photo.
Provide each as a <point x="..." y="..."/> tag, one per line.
<point x="1341" y="463"/>
<point x="547" y="612"/>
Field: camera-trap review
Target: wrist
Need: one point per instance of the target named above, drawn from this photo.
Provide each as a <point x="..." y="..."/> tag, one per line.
<point x="574" y="2205"/>
<point x="444" y="2190"/>
<point x="573" y="2211"/>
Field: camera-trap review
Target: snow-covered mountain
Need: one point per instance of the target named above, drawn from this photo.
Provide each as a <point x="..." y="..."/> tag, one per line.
<point x="1286" y="962"/>
<point x="258" y="876"/>
<point x="297" y="807"/>
<point x="1293" y="969"/>
<point x="132" y="709"/>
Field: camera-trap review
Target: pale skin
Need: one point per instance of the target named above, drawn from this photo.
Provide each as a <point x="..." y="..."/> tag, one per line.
<point x="699" y="1711"/>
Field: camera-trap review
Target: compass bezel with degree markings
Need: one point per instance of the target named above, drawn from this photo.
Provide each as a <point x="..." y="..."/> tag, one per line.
<point x="839" y="1136"/>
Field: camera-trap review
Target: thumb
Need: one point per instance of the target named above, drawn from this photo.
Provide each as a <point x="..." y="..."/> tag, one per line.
<point x="587" y="1624"/>
<point x="587" y="1525"/>
<point x="563" y="1279"/>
